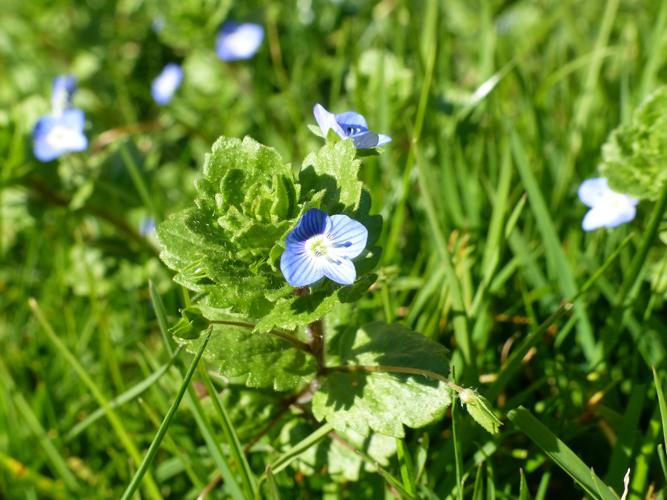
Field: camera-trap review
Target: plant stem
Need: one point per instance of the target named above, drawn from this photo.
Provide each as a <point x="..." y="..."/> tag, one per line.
<point x="276" y="333"/>
<point x="316" y="332"/>
<point x="397" y="369"/>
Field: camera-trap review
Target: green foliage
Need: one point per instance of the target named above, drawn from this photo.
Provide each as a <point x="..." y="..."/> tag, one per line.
<point x="378" y="401"/>
<point x="634" y="158"/>
<point x="228" y="246"/>
<point x="258" y="359"/>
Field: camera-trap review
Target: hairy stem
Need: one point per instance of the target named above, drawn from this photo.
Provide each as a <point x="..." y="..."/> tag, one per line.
<point x="316" y="332"/>
<point x="397" y="369"/>
<point x="276" y="333"/>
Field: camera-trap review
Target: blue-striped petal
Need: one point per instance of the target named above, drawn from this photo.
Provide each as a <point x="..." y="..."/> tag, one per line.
<point x="299" y="268"/>
<point x="366" y="139"/>
<point x="349" y="236"/>
<point x="383" y="139"/>
<point x="312" y="223"/>
<point x="341" y="271"/>
<point x="352" y="123"/>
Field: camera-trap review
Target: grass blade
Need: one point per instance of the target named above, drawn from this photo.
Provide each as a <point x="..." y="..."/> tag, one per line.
<point x="155" y="444"/>
<point x="114" y="420"/>
<point x="126" y="397"/>
<point x="560" y="453"/>
<point x="194" y="404"/>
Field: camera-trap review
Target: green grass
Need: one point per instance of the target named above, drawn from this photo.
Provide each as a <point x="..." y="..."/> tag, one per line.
<point x="483" y="247"/>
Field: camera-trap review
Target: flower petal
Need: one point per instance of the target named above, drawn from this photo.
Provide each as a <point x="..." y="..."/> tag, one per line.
<point x="298" y="268"/>
<point x="61" y="92"/>
<point x="341" y="271"/>
<point x="383" y="139"/>
<point x="366" y="140"/>
<point x="236" y="41"/>
<point x="166" y="83"/>
<point x="348" y="235"/>
<point x="352" y="123"/>
<point x="73" y="119"/>
<point x="605" y="215"/>
<point x="313" y="222"/>
<point x="592" y="191"/>
<point x="327" y="121"/>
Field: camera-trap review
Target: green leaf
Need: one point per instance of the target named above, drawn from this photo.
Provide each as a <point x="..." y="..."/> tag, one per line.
<point x="337" y="456"/>
<point x="333" y="169"/>
<point x="383" y="402"/>
<point x="227" y="247"/>
<point x="261" y="360"/>
<point x="480" y="410"/>
<point x="634" y="158"/>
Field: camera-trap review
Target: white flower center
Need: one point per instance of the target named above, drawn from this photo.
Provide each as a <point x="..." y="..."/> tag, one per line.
<point x="60" y="136"/>
<point x="319" y="246"/>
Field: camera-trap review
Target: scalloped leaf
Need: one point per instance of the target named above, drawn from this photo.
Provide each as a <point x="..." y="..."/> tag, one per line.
<point x="380" y="401"/>
<point x="634" y="158"/>
<point x="261" y="360"/>
<point x="227" y="246"/>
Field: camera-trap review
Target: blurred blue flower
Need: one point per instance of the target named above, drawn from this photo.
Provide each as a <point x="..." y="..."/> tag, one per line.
<point x="61" y="93"/>
<point x="238" y="41"/>
<point x="166" y="83"/>
<point x="61" y="131"/>
<point x="349" y="125"/>
<point x="55" y="135"/>
<point x="147" y="226"/>
<point x="608" y="208"/>
<point x="321" y="246"/>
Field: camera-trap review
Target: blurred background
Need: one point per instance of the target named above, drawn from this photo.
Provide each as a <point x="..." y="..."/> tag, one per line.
<point x="497" y="110"/>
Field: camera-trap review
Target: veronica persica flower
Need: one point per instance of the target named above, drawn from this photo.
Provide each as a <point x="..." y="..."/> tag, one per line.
<point x="322" y="246"/>
<point x="61" y="131"/>
<point x="166" y="83"/>
<point x="238" y="41"/>
<point x="608" y="208"/>
<point x="61" y="93"/>
<point x="349" y="125"/>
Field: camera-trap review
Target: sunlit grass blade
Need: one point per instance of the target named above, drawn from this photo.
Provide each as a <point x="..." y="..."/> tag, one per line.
<point x="232" y="439"/>
<point x="559" y="267"/>
<point x="195" y="405"/>
<point x="116" y="423"/>
<point x="159" y="435"/>
<point x="560" y="453"/>
<point x="524" y="492"/>
<point x="120" y="400"/>
<point x="405" y="466"/>
<point x="662" y="404"/>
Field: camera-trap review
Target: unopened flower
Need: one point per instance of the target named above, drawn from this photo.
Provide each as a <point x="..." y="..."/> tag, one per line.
<point x="321" y="246"/>
<point x="61" y="131"/>
<point x="238" y="41"/>
<point x="349" y="125"/>
<point x="166" y="83"/>
<point x="608" y="208"/>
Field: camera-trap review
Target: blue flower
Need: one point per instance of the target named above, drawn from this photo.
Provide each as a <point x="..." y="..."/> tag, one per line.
<point x="62" y="130"/>
<point x="349" y="125"/>
<point x="166" y="83"/>
<point x="608" y="208"/>
<point x="238" y="41"/>
<point x="321" y="246"/>
<point x="147" y="226"/>
<point x="55" y="135"/>
<point x="61" y="93"/>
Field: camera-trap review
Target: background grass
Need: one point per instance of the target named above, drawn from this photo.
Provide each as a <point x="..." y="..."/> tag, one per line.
<point x="497" y="112"/>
